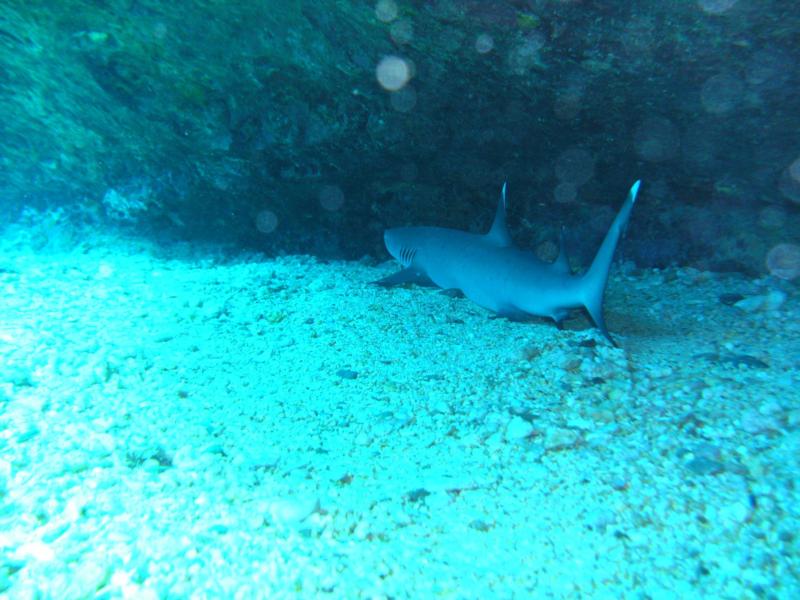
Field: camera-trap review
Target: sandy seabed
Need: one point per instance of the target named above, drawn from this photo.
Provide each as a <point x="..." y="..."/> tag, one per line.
<point x="193" y="425"/>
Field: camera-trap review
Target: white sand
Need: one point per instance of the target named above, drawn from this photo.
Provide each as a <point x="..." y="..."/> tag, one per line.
<point x="281" y="428"/>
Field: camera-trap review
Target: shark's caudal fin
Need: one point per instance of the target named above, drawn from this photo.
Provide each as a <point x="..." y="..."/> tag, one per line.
<point x="594" y="280"/>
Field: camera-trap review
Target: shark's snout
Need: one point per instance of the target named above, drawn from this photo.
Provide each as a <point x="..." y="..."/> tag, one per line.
<point x="389" y="239"/>
<point x="398" y="246"/>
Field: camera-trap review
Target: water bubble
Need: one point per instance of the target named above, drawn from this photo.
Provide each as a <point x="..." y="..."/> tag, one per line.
<point x="569" y="98"/>
<point x="450" y="39"/>
<point x="794" y="170"/>
<point x="386" y="10"/>
<point x="698" y="145"/>
<point x="639" y="36"/>
<point x="409" y="171"/>
<point x="266" y="221"/>
<point x="656" y="139"/>
<point x="484" y="43"/>
<point x="783" y="261"/>
<point x="789" y="183"/>
<point x="568" y="104"/>
<point x="160" y="30"/>
<point x="535" y="41"/>
<point x="702" y="226"/>
<point x="526" y="54"/>
<point x="331" y="197"/>
<point x="402" y="31"/>
<point x="404" y="100"/>
<point x="393" y="73"/>
<point x="768" y="68"/>
<point x="721" y="93"/>
<point x="547" y="251"/>
<point x="575" y="166"/>
<point x="772" y="217"/>
<point x="716" y="7"/>
<point x="565" y="192"/>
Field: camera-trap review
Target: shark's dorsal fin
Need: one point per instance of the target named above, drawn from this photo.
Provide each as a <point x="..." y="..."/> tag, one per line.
<point x="498" y="234"/>
<point x="561" y="263"/>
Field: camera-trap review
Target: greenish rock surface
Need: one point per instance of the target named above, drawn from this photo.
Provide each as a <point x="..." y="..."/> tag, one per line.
<point x="264" y="123"/>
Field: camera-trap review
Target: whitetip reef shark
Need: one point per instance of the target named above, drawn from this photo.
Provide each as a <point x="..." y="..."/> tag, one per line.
<point x="491" y="272"/>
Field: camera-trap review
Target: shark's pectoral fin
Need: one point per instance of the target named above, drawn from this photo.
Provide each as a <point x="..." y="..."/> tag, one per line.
<point x="409" y="275"/>
<point x="559" y="315"/>
<point x="513" y="314"/>
<point x="596" y="314"/>
<point x="452" y="293"/>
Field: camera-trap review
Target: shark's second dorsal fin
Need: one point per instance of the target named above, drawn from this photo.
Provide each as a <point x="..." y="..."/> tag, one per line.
<point x="498" y="234"/>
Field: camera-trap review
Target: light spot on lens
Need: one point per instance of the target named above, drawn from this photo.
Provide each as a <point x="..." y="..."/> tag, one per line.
<point x="769" y="68"/>
<point x="393" y="73"/>
<point x="484" y="43"/>
<point x="721" y="93"/>
<point x="639" y="36"/>
<point x="386" y="10"/>
<point x="266" y="221"/>
<point x="772" y="217"/>
<point x="402" y="31"/>
<point x="575" y="166"/>
<point x="568" y="105"/>
<point x="565" y="193"/>
<point x="716" y="7"/>
<point x="783" y="261"/>
<point x="569" y="97"/>
<point x="794" y="170"/>
<point x="789" y="182"/>
<point x="526" y="55"/>
<point x="331" y="197"/>
<point x="403" y="100"/>
<point x="409" y="172"/>
<point x="656" y="139"/>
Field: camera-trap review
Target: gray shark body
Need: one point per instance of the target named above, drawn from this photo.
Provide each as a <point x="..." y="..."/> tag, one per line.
<point x="494" y="274"/>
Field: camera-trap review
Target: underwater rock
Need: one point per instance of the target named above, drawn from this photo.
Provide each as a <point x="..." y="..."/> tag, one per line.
<point x="290" y="511"/>
<point x="729" y="299"/>
<point x="736" y="360"/>
<point x="560" y="438"/>
<point x="518" y="428"/>
<point x="224" y="112"/>
<point x="772" y="300"/>
<point x="347" y="374"/>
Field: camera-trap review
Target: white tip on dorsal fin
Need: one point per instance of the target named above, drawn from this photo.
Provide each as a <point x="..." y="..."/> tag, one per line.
<point x="498" y="234"/>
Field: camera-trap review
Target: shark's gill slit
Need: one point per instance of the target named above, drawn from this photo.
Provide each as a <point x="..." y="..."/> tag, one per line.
<point x="407" y="255"/>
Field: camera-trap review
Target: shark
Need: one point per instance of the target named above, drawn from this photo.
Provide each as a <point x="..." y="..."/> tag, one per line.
<point x="509" y="281"/>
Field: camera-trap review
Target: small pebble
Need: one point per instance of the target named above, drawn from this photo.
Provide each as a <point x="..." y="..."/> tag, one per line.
<point x="347" y="374"/>
<point x="705" y="466"/>
<point x="730" y="299"/>
<point x="518" y="428"/>
<point x="558" y="438"/>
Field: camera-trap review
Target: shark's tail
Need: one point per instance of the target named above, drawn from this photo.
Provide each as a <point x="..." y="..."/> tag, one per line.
<point x="594" y="280"/>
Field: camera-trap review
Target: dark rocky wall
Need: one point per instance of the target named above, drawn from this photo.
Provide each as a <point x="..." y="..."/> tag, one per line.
<point x="224" y="120"/>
